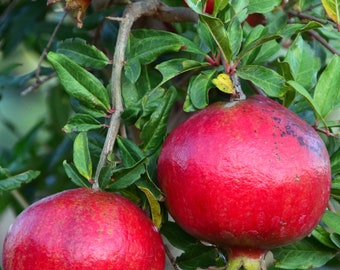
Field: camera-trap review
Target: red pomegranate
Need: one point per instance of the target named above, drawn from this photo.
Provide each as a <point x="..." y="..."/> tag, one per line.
<point x="83" y="229"/>
<point x="246" y="177"/>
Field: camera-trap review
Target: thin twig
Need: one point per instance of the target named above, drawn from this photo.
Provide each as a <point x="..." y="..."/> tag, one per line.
<point x="132" y="12"/>
<point x="44" y="53"/>
<point x="309" y="17"/>
<point x="37" y="84"/>
<point x="323" y="42"/>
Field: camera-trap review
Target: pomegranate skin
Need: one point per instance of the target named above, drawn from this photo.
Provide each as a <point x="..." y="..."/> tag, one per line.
<point x="254" y="175"/>
<point x="83" y="229"/>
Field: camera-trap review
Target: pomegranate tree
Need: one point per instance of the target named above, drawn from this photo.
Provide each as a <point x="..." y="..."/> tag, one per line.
<point x="83" y="229"/>
<point x="247" y="176"/>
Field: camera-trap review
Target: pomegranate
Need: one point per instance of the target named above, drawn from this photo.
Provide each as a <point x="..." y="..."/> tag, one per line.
<point x="83" y="229"/>
<point x="247" y="176"/>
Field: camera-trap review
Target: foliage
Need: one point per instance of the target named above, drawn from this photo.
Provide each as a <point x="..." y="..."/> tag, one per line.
<point x="293" y="58"/>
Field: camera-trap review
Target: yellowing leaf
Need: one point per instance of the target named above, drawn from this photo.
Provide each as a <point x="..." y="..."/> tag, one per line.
<point x="332" y="8"/>
<point x="224" y="83"/>
<point x="154" y="207"/>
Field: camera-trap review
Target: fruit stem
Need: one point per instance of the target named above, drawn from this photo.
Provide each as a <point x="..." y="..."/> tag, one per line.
<point x="248" y="259"/>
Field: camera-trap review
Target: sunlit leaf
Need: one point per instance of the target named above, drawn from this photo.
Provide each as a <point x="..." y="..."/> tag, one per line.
<point x="79" y="83"/>
<point x="82" y="156"/>
<point x="224" y="83"/>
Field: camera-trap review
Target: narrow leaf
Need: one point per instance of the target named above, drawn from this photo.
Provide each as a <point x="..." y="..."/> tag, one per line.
<point x="154" y="131"/>
<point x="79" y="83"/>
<point x="327" y="91"/>
<point x="15" y="181"/>
<point x="74" y="176"/>
<point x="83" y="54"/>
<point x="267" y="79"/>
<point x="219" y="33"/>
<point x="155" y="208"/>
<point x="81" y="155"/>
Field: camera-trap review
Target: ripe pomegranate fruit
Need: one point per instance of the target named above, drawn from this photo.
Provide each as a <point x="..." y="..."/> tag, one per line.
<point x="248" y="177"/>
<point x="83" y="229"/>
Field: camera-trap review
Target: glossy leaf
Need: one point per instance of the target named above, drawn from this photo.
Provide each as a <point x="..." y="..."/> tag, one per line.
<point x="305" y="254"/>
<point x="80" y="83"/>
<point x="15" y="181"/>
<point x="219" y="33"/>
<point x="82" y="156"/>
<point x="82" y="53"/>
<point x="199" y="86"/>
<point x="327" y="93"/>
<point x="267" y="79"/>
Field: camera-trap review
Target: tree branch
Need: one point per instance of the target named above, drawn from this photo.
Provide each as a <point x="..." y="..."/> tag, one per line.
<point x="132" y="12"/>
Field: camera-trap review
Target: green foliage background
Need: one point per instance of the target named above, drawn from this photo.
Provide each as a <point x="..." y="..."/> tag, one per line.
<point x="53" y="131"/>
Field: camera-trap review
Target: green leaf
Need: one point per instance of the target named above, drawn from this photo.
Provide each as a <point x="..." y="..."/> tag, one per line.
<point x="198" y="89"/>
<point x="154" y="130"/>
<point x="80" y="123"/>
<point x="235" y="34"/>
<point x="80" y="83"/>
<point x="83" y="54"/>
<point x="81" y="155"/>
<point x="198" y="256"/>
<point x="219" y="33"/>
<point x="295" y="28"/>
<point x="332" y="8"/>
<point x="260" y="6"/>
<point x="173" y="67"/>
<point x="177" y="236"/>
<point x="305" y="254"/>
<point x="327" y="93"/>
<point x="73" y="174"/>
<point x="323" y="236"/>
<point x="127" y="176"/>
<point x="142" y="49"/>
<point x="267" y="79"/>
<point x="129" y="151"/>
<point x="332" y="221"/>
<point x="257" y="37"/>
<point x="303" y="63"/>
<point x="335" y="163"/>
<point x="302" y="91"/>
<point x="15" y="181"/>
